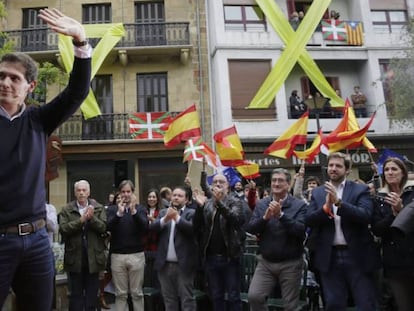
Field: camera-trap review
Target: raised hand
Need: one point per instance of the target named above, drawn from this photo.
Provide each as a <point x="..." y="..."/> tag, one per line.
<point x="63" y="24"/>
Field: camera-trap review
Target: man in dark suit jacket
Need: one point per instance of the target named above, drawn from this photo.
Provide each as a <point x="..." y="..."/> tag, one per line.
<point x="176" y="259"/>
<point x="344" y="251"/>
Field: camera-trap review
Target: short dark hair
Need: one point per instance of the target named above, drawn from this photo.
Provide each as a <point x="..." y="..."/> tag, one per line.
<point x="125" y="182"/>
<point x="341" y="155"/>
<point x="313" y="178"/>
<point x="185" y="189"/>
<point x="282" y="171"/>
<point x="27" y="62"/>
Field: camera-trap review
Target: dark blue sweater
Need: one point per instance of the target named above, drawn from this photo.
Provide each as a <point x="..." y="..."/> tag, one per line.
<point x="23" y="149"/>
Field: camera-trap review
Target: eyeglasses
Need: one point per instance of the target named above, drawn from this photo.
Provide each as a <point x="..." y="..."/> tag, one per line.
<point x="279" y="180"/>
<point x="219" y="181"/>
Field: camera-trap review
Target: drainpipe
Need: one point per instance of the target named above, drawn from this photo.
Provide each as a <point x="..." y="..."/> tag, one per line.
<point x="200" y="67"/>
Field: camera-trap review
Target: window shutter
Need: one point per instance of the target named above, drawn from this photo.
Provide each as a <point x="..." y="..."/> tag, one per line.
<point x="246" y="77"/>
<point x="387" y="5"/>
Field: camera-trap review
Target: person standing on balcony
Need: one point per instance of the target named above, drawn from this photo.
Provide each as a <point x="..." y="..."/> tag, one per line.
<point x="83" y="225"/>
<point x="26" y="260"/>
<point x="359" y="101"/>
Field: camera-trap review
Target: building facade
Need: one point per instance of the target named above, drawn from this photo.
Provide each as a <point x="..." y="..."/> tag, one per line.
<point x="244" y="47"/>
<point x="215" y="54"/>
<point x="160" y="64"/>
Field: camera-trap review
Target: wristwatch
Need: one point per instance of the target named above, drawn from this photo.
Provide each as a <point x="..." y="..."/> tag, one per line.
<point x="338" y="203"/>
<point x="80" y="43"/>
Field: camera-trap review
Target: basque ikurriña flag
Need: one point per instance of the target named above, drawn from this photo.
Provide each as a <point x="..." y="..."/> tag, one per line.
<point x="334" y="30"/>
<point x="147" y="125"/>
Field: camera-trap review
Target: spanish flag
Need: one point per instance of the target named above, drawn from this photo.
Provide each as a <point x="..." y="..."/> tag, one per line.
<point x="229" y="147"/>
<point x="337" y="140"/>
<point x="249" y="170"/>
<point x="182" y="127"/>
<point x="347" y="139"/>
<point x="284" y="146"/>
<point x="310" y="153"/>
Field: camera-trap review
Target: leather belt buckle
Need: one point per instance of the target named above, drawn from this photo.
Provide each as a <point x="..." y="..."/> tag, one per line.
<point x="23" y="230"/>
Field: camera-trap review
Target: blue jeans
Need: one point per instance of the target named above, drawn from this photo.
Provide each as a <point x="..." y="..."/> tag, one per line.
<point x="26" y="265"/>
<point x="224" y="277"/>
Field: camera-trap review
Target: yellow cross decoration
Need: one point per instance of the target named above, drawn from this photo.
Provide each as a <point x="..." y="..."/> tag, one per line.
<point x="295" y="51"/>
<point x="110" y="34"/>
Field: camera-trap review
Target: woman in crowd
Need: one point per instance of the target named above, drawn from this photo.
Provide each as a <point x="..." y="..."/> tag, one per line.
<point x="153" y="205"/>
<point x="397" y="247"/>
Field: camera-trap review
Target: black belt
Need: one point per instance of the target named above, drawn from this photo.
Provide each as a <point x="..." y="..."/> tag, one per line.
<point x="24" y="228"/>
<point x="340" y="247"/>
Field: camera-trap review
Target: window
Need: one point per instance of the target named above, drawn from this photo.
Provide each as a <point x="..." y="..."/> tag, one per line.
<point x="152" y="92"/>
<point x="34" y="32"/>
<point x="244" y="18"/>
<point x="96" y="13"/>
<point x="389" y="21"/>
<point x="150" y="19"/>
<point x="100" y="127"/>
<point x="246" y="77"/>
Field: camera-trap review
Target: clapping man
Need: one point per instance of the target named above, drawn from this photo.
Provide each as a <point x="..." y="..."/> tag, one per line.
<point x="279" y="221"/>
<point x="128" y="224"/>
<point x="176" y="259"/>
<point x="82" y="225"/>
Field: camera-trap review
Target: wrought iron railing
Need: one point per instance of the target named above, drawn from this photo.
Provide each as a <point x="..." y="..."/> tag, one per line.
<point x="103" y="127"/>
<point x="143" y="34"/>
<point x="111" y="126"/>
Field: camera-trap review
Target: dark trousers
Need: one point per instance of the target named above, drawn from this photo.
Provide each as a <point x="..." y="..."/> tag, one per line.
<point x="83" y="288"/>
<point x="224" y="277"/>
<point x="345" y="274"/>
<point x="26" y="265"/>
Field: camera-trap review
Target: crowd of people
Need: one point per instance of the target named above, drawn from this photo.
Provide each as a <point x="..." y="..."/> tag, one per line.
<point x="360" y="240"/>
<point x="347" y="230"/>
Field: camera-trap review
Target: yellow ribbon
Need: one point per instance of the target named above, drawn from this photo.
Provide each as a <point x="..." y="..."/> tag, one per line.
<point x="295" y="51"/>
<point x="110" y="34"/>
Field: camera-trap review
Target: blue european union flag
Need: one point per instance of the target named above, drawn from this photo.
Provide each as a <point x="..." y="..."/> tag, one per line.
<point x="387" y="153"/>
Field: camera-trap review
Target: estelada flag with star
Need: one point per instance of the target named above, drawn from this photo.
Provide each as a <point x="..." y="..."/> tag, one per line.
<point x="147" y="125"/>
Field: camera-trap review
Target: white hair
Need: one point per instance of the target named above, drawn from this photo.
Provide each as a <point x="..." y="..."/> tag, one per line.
<point x="82" y="182"/>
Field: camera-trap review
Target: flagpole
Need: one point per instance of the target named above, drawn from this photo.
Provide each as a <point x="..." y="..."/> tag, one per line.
<point x="322" y="157"/>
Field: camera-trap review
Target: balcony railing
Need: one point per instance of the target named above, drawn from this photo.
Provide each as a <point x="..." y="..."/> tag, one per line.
<point x="104" y="127"/>
<point x="136" y="35"/>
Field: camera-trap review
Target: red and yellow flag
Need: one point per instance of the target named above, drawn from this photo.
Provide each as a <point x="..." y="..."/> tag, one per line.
<point x="296" y="134"/>
<point x="182" y="127"/>
<point x="347" y="140"/>
<point x="310" y="153"/>
<point x="249" y="170"/>
<point x="338" y="139"/>
<point x="229" y="147"/>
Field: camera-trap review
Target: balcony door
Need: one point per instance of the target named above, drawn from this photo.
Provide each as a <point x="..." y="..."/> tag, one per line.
<point x="34" y="32"/>
<point x="150" y="20"/>
<point x="101" y="127"/>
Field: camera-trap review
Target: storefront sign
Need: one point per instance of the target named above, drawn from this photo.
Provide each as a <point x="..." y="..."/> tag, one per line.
<point x="273" y="162"/>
